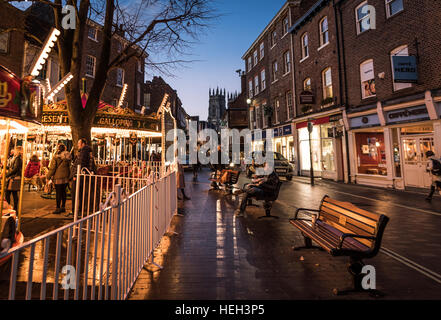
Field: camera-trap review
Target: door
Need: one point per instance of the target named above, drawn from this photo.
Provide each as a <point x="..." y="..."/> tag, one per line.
<point x="415" y="161"/>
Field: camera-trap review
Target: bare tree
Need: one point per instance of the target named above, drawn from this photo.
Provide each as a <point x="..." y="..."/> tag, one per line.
<point x="168" y="27"/>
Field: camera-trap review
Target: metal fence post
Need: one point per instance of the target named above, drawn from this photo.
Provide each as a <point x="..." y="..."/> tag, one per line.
<point x="116" y="222"/>
<point x="77" y="191"/>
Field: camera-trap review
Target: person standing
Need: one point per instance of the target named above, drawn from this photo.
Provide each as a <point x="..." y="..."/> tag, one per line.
<point x="180" y="180"/>
<point x="434" y="168"/>
<point x="13" y="176"/>
<point x="59" y="171"/>
<point x="82" y="159"/>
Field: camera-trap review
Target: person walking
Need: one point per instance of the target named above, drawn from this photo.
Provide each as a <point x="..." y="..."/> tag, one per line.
<point x="84" y="160"/>
<point x="13" y="176"/>
<point x="180" y="180"/>
<point x="59" y="171"/>
<point x="434" y="168"/>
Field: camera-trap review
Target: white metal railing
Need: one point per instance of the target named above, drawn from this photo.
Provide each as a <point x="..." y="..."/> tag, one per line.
<point x="100" y="255"/>
<point x="134" y="169"/>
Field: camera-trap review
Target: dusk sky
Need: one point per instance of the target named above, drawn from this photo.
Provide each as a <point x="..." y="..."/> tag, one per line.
<point x="220" y="52"/>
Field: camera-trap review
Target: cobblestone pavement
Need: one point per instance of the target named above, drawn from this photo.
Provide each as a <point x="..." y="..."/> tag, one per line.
<point x="218" y="256"/>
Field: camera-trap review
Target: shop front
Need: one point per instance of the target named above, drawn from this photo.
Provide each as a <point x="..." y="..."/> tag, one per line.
<point x="388" y="145"/>
<point x="283" y="142"/>
<point x="324" y="144"/>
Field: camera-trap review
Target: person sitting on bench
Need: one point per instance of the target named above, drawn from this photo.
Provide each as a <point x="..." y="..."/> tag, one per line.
<point x="261" y="185"/>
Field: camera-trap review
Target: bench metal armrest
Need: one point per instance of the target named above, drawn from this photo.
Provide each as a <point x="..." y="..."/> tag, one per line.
<point x="306" y="210"/>
<point x="348" y="235"/>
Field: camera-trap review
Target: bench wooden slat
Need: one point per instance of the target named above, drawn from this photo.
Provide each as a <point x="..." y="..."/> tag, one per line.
<point x="346" y="212"/>
<point x="357" y="226"/>
<point x="353" y="208"/>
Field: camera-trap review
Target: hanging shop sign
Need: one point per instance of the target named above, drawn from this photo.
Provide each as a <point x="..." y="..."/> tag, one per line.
<point x="307" y="97"/>
<point x="19" y="98"/>
<point x="371" y="120"/>
<point x="405" y="69"/>
<point x="418" y="113"/>
<point x="283" y="131"/>
<point x="237" y="118"/>
<point x="258" y="135"/>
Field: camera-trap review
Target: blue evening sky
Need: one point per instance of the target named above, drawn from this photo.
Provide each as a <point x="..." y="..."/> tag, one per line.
<point x="220" y="51"/>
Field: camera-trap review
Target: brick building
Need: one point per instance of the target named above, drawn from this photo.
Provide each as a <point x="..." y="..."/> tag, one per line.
<point x="393" y="82"/>
<point x="270" y="78"/>
<point x="318" y="92"/>
<point x="154" y="91"/>
<point x="11" y="38"/>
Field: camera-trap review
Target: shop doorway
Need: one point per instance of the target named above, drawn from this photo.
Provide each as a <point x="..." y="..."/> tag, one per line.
<point x="415" y="160"/>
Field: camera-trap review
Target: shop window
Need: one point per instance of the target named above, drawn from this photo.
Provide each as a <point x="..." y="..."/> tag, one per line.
<point x="328" y="161"/>
<point x="396" y="152"/>
<point x="304" y="153"/>
<point x="371" y="153"/>
<point x="367" y="77"/>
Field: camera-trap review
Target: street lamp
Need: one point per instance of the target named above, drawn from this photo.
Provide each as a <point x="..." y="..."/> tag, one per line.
<point x="248" y="101"/>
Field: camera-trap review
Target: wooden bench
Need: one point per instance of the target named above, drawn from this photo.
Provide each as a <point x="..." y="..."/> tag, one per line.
<point x="268" y="201"/>
<point x="233" y="178"/>
<point x="342" y="229"/>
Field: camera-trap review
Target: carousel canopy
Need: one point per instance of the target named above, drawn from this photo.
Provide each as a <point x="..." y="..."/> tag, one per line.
<point x="109" y="119"/>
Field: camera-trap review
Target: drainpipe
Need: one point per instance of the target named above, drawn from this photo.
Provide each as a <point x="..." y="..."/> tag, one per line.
<point x="342" y="60"/>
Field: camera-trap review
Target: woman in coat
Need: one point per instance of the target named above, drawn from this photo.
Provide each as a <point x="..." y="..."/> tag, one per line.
<point x="59" y="172"/>
<point x="13" y="176"/>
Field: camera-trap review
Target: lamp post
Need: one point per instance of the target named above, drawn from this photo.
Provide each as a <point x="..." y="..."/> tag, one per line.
<point x="310" y="129"/>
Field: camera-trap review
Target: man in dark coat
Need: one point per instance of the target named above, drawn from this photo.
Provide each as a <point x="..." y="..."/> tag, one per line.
<point x="261" y="186"/>
<point x="84" y="160"/>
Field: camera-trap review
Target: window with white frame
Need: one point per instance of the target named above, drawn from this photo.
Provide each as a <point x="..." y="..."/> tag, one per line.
<point x="285" y="25"/>
<point x="4" y="42"/>
<point x="324" y="31"/>
<point x="307" y="84"/>
<point x="256" y="59"/>
<point x="262" y="50"/>
<point x="367" y="77"/>
<point x="256" y="85"/>
<point x="362" y="17"/>
<point x="327" y="83"/>
<point x="250" y="64"/>
<point x="393" y="7"/>
<point x="287" y="62"/>
<point x="119" y="77"/>
<point x="400" y="51"/>
<point x="273" y="38"/>
<point x="305" y="45"/>
<point x="93" y="34"/>
<point x="275" y="69"/>
<point x="276" y="111"/>
<point x="250" y="89"/>
<point x="263" y="79"/>
<point x="90" y="66"/>
<point x="288" y="101"/>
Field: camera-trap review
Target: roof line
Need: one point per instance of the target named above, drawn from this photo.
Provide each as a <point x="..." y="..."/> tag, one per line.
<point x="316" y="7"/>
<point x="287" y="3"/>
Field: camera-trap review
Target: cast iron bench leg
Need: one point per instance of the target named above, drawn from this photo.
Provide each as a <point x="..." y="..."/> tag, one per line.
<point x="308" y="245"/>
<point x="355" y="267"/>
<point x="268" y="205"/>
